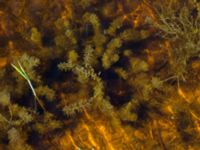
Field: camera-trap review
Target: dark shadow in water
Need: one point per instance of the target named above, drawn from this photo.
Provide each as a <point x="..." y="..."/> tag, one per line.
<point x="116" y="88"/>
<point x="48" y="38"/>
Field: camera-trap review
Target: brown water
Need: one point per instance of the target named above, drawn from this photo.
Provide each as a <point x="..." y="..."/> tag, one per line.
<point x="99" y="75"/>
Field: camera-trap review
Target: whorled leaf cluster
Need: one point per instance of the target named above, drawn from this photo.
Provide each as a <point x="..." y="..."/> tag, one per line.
<point x="98" y="56"/>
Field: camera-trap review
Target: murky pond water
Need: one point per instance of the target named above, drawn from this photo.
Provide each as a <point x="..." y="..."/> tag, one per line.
<point x="99" y="75"/>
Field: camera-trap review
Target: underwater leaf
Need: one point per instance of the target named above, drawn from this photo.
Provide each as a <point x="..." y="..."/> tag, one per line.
<point x="126" y="112"/>
<point x="46" y="91"/>
<point x="156" y="83"/>
<point x="29" y="63"/>
<point x="85" y="3"/>
<point x="73" y="56"/>
<point x="111" y="56"/>
<point x="93" y="19"/>
<point x="89" y="57"/>
<point x="17" y="141"/>
<point x="4" y="98"/>
<point x="122" y="73"/>
<point x="24" y="115"/>
<point x="35" y="36"/>
<point x="66" y="66"/>
<point x="73" y="109"/>
<point x="115" y="25"/>
<point x="48" y="124"/>
<point x="138" y="65"/>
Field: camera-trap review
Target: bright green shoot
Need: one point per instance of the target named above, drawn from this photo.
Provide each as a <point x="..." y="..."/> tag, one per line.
<point x="22" y="72"/>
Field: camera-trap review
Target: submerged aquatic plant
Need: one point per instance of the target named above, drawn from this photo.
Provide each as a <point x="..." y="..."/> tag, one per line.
<point x="117" y="74"/>
<point x="23" y="73"/>
<point x="179" y="23"/>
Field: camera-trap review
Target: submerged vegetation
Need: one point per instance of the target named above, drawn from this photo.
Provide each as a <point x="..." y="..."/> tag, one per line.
<point x="98" y="74"/>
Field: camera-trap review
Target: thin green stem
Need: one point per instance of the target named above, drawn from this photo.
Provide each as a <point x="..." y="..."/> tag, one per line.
<point x="23" y="73"/>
